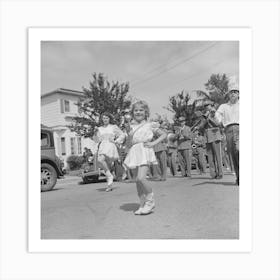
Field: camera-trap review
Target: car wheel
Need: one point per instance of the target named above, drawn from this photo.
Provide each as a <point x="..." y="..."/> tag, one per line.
<point x="48" y="177"/>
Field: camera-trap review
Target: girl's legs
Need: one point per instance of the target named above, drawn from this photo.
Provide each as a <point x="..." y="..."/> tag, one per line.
<point x="141" y="195"/>
<point x="125" y="172"/>
<point x="142" y="181"/>
<point x="145" y="191"/>
<point x="102" y="161"/>
<point x="106" y="166"/>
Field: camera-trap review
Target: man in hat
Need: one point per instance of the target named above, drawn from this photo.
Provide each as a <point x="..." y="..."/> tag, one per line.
<point x="228" y="115"/>
<point x="210" y="127"/>
<point x="184" y="137"/>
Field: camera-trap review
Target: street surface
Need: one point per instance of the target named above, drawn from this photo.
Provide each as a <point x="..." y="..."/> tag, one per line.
<point x="197" y="208"/>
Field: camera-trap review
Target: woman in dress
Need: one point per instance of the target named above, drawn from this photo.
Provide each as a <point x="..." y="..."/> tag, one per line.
<point x="109" y="135"/>
<point x="141" y="153"/>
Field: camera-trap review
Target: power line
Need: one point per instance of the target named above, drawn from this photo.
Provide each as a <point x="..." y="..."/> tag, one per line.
<point x="175" y="65"/>
<point x="194" y="75"/>
<point x="136" y="80"/>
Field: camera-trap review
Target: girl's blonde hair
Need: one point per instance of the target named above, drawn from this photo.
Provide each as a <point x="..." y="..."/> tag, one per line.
<point x="142" y="104"/>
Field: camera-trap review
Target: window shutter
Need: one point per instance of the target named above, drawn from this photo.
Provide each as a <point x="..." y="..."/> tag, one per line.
<point x="61" y="106"/>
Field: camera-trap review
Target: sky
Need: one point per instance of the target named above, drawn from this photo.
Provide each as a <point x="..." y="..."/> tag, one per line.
<point x="155" y="70"/>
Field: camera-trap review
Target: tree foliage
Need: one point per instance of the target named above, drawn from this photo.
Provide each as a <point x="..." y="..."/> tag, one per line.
<point x="179" y="104"/>
<point x="101" y="96"/>
<point x="217" y="88"/>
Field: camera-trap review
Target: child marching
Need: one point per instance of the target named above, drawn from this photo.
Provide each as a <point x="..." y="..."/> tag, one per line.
<point x="141" y="153"/>
<point x="109" y="135"/>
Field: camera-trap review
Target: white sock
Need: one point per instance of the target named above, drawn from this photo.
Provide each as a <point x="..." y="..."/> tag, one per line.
<point x="142" y="200"/>
<point x="150" y="196"/>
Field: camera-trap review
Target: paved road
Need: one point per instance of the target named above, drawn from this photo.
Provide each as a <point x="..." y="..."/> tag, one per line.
<point x="197" y="208"/>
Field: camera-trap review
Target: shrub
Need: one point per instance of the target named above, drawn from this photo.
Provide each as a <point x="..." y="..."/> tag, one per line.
<point x="75" y="162"/>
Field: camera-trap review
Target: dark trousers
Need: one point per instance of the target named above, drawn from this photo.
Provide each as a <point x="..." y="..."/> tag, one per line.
<point x="154" y="172"/>
<point x="201" y="159"/>
<point x="225" y="159"/>
<point x="162" y="163"/>
<point x="214" y="153"/>
<point x="171" y="160"/>
<point x="119" y="170"/>
<point x="185" y="161"/>
<point x="232" y="135"/>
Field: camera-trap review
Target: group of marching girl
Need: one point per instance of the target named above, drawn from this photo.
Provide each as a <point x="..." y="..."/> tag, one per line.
<point x="140" y="154"/>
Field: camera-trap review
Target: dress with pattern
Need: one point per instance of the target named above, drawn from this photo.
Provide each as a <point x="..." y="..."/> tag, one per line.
<point x="138" y="154"/>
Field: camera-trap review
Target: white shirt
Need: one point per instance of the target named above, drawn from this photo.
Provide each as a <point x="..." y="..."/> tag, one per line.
<point x="228" y="113"/>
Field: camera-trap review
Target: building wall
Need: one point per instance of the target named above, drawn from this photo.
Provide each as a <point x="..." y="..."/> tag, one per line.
<point x="67" y="135"/>
<point x="50" y="111"/>
<point x="54" y="116"/>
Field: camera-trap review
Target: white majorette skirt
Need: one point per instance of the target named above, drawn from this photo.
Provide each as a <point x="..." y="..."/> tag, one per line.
<point x="139" y="155"/>
<point x="108" y="149"/>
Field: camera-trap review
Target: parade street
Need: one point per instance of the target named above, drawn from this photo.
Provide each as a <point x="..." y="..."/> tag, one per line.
<point x="197" y="208"/>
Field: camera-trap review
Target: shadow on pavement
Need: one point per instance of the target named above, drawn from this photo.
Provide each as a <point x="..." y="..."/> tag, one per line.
<point x="129" y="206"/>
<point x="53" y="190"/>
<point x="102" y="189"/>
<point x="92" y="182"/>
<point x="216" y="183"/>
<point x="201" y="178"/>
<point x="81" y="183"/>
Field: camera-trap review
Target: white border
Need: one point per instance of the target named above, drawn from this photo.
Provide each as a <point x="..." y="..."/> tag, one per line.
<point x="243" y="35"/>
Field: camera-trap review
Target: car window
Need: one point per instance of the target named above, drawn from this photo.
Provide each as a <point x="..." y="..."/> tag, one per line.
<point x="44" y="140"/>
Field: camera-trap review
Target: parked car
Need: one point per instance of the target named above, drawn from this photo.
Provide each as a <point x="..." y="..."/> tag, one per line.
<point x="91" y="171"/>
<point x="51" y="165"/>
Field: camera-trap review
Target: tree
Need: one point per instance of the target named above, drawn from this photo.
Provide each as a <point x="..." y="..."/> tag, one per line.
<point x="102" y="96"/>
<point x="179" y="104"/>
<point x="217" y="87"/>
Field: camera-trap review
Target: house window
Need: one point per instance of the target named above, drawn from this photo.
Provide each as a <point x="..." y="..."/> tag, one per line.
<point x="72" y="145"/>
<point x="63" y="147"/>
<point x="64" y="106"/>
<point x="79" y="145"/>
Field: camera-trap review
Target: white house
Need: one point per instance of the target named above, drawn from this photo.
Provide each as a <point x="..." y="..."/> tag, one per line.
<point x="57" y="109"/>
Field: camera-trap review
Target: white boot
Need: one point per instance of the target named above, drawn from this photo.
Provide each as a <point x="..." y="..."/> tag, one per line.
<point x="149" y="204"/>
<point x="142" y="203"/>
<point x="110" y="179"/>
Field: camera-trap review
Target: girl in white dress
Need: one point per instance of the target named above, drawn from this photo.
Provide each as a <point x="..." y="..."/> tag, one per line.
<point x="109" y="135"/>
<point x="141" y="153"/>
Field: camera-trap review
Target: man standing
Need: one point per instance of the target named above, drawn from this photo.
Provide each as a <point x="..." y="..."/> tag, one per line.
<point x="228" y="115"/>
<point x="200" y="145"/>
<point x="158" y="171"/>
<point x="225" y="156"/>
<point x="210" y="126"/>
<point x="161" y="155"/>
<point x="184" y="136"/>
<point x="172" y="152"/>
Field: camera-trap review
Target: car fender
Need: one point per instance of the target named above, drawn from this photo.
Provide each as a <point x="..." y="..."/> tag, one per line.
<point x="46" y="159"/>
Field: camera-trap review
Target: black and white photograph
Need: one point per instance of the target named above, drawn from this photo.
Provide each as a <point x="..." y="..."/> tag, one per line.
<point x="140" y="139"/>
<point x="159" y="124"/>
